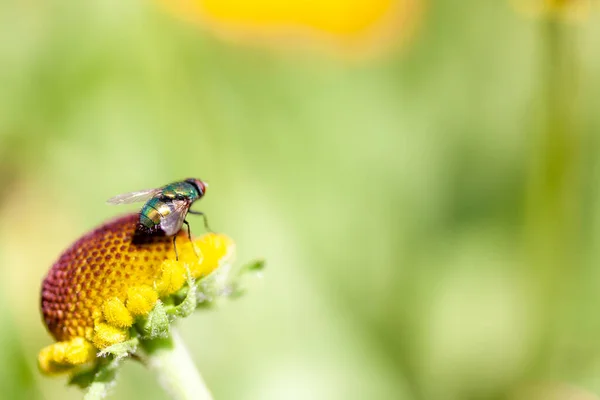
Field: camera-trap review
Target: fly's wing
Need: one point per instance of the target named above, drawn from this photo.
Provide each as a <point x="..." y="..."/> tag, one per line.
<point x="171" y="224"/>
<point x="133" y="197"/>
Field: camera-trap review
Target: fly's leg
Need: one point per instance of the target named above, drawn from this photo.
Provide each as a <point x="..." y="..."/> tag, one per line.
<point x="175" y="248"/>
<point x="203" y="216"/>
<point x="190" y="237"/>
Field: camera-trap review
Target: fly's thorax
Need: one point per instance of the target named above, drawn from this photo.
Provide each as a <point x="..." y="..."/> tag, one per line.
<point x="198" y="185"/>
<point x="180" y="190"/>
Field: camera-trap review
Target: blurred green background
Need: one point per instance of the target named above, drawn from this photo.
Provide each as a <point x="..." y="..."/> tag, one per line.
<point x="429" y="216"/>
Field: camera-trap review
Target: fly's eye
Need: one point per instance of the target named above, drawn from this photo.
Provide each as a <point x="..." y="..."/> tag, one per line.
<point x="202" y="187"/>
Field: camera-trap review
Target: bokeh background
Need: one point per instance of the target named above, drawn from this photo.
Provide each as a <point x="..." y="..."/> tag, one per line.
<point x="421" y="178"/>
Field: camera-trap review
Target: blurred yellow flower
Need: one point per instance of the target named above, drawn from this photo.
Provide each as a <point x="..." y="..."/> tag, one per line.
<point x="562" y="9"/>
<point x="105" y="281"/>
<point x="351" y="24"/>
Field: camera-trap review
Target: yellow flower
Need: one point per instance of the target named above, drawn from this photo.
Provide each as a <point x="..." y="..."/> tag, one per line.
<point x="98" y="287"/>
<point x="349" y="23"/>
<point x="573" y="10"/>
<point x="63" y="356"/>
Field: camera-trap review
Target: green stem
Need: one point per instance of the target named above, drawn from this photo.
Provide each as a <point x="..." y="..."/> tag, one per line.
<point x="170" y="360"/>
<point x="98" y="390"/>
<point x="553" y="209"/>
<point x="104" y="379"/>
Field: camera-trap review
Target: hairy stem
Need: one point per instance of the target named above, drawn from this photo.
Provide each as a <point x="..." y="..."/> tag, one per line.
<point x="170" y="360"/>
<point x="103" y="381"/>
<point x="98" y="390"/>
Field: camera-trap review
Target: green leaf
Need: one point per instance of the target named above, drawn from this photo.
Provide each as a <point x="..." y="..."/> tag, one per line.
<point x="236" y="286"/>
<point x="121" y="350"/>
<point x="254" y="266"/>
<point x="156" y="323"/>
<point x="83" y="379"/>
<point x="188" y="305"/>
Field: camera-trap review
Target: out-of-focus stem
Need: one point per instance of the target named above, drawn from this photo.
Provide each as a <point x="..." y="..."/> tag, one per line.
<point x="170" y="360"/>
<point x="553" y="203"/>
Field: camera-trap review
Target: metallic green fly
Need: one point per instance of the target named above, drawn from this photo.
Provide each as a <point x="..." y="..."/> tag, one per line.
<point x="166" y="208"/>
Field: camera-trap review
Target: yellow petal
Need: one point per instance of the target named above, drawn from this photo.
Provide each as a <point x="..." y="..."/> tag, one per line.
<point x="79" y="351"/>
<point x="116" y="314"/>
<point x="172" y="277"/>
<point x="141" y="299"/>
<point x="61" y="357"/>
<point x="215" y="248"/>
<point x="106" y="335"/>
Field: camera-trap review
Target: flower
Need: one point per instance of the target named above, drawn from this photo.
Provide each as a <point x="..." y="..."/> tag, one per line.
<point x="573" y="10"/>
<point x="349" y="24"/>
<point x="111" y="287"/>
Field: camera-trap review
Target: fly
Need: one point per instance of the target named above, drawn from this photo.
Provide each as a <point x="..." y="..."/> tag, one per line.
<point x="166" y="207"/>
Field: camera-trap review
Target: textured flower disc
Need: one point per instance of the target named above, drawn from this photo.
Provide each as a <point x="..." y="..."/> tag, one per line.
<point x="100" y="265"/>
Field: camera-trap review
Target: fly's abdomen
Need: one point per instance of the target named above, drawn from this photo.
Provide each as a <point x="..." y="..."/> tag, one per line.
<point x="152" y="212"/>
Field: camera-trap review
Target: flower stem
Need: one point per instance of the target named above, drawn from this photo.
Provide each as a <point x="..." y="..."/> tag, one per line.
<point x="98" y="390"/>
<point x="103" y="381"/>
<point x="554" y="198"/>
<point x="170" y="360"/>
